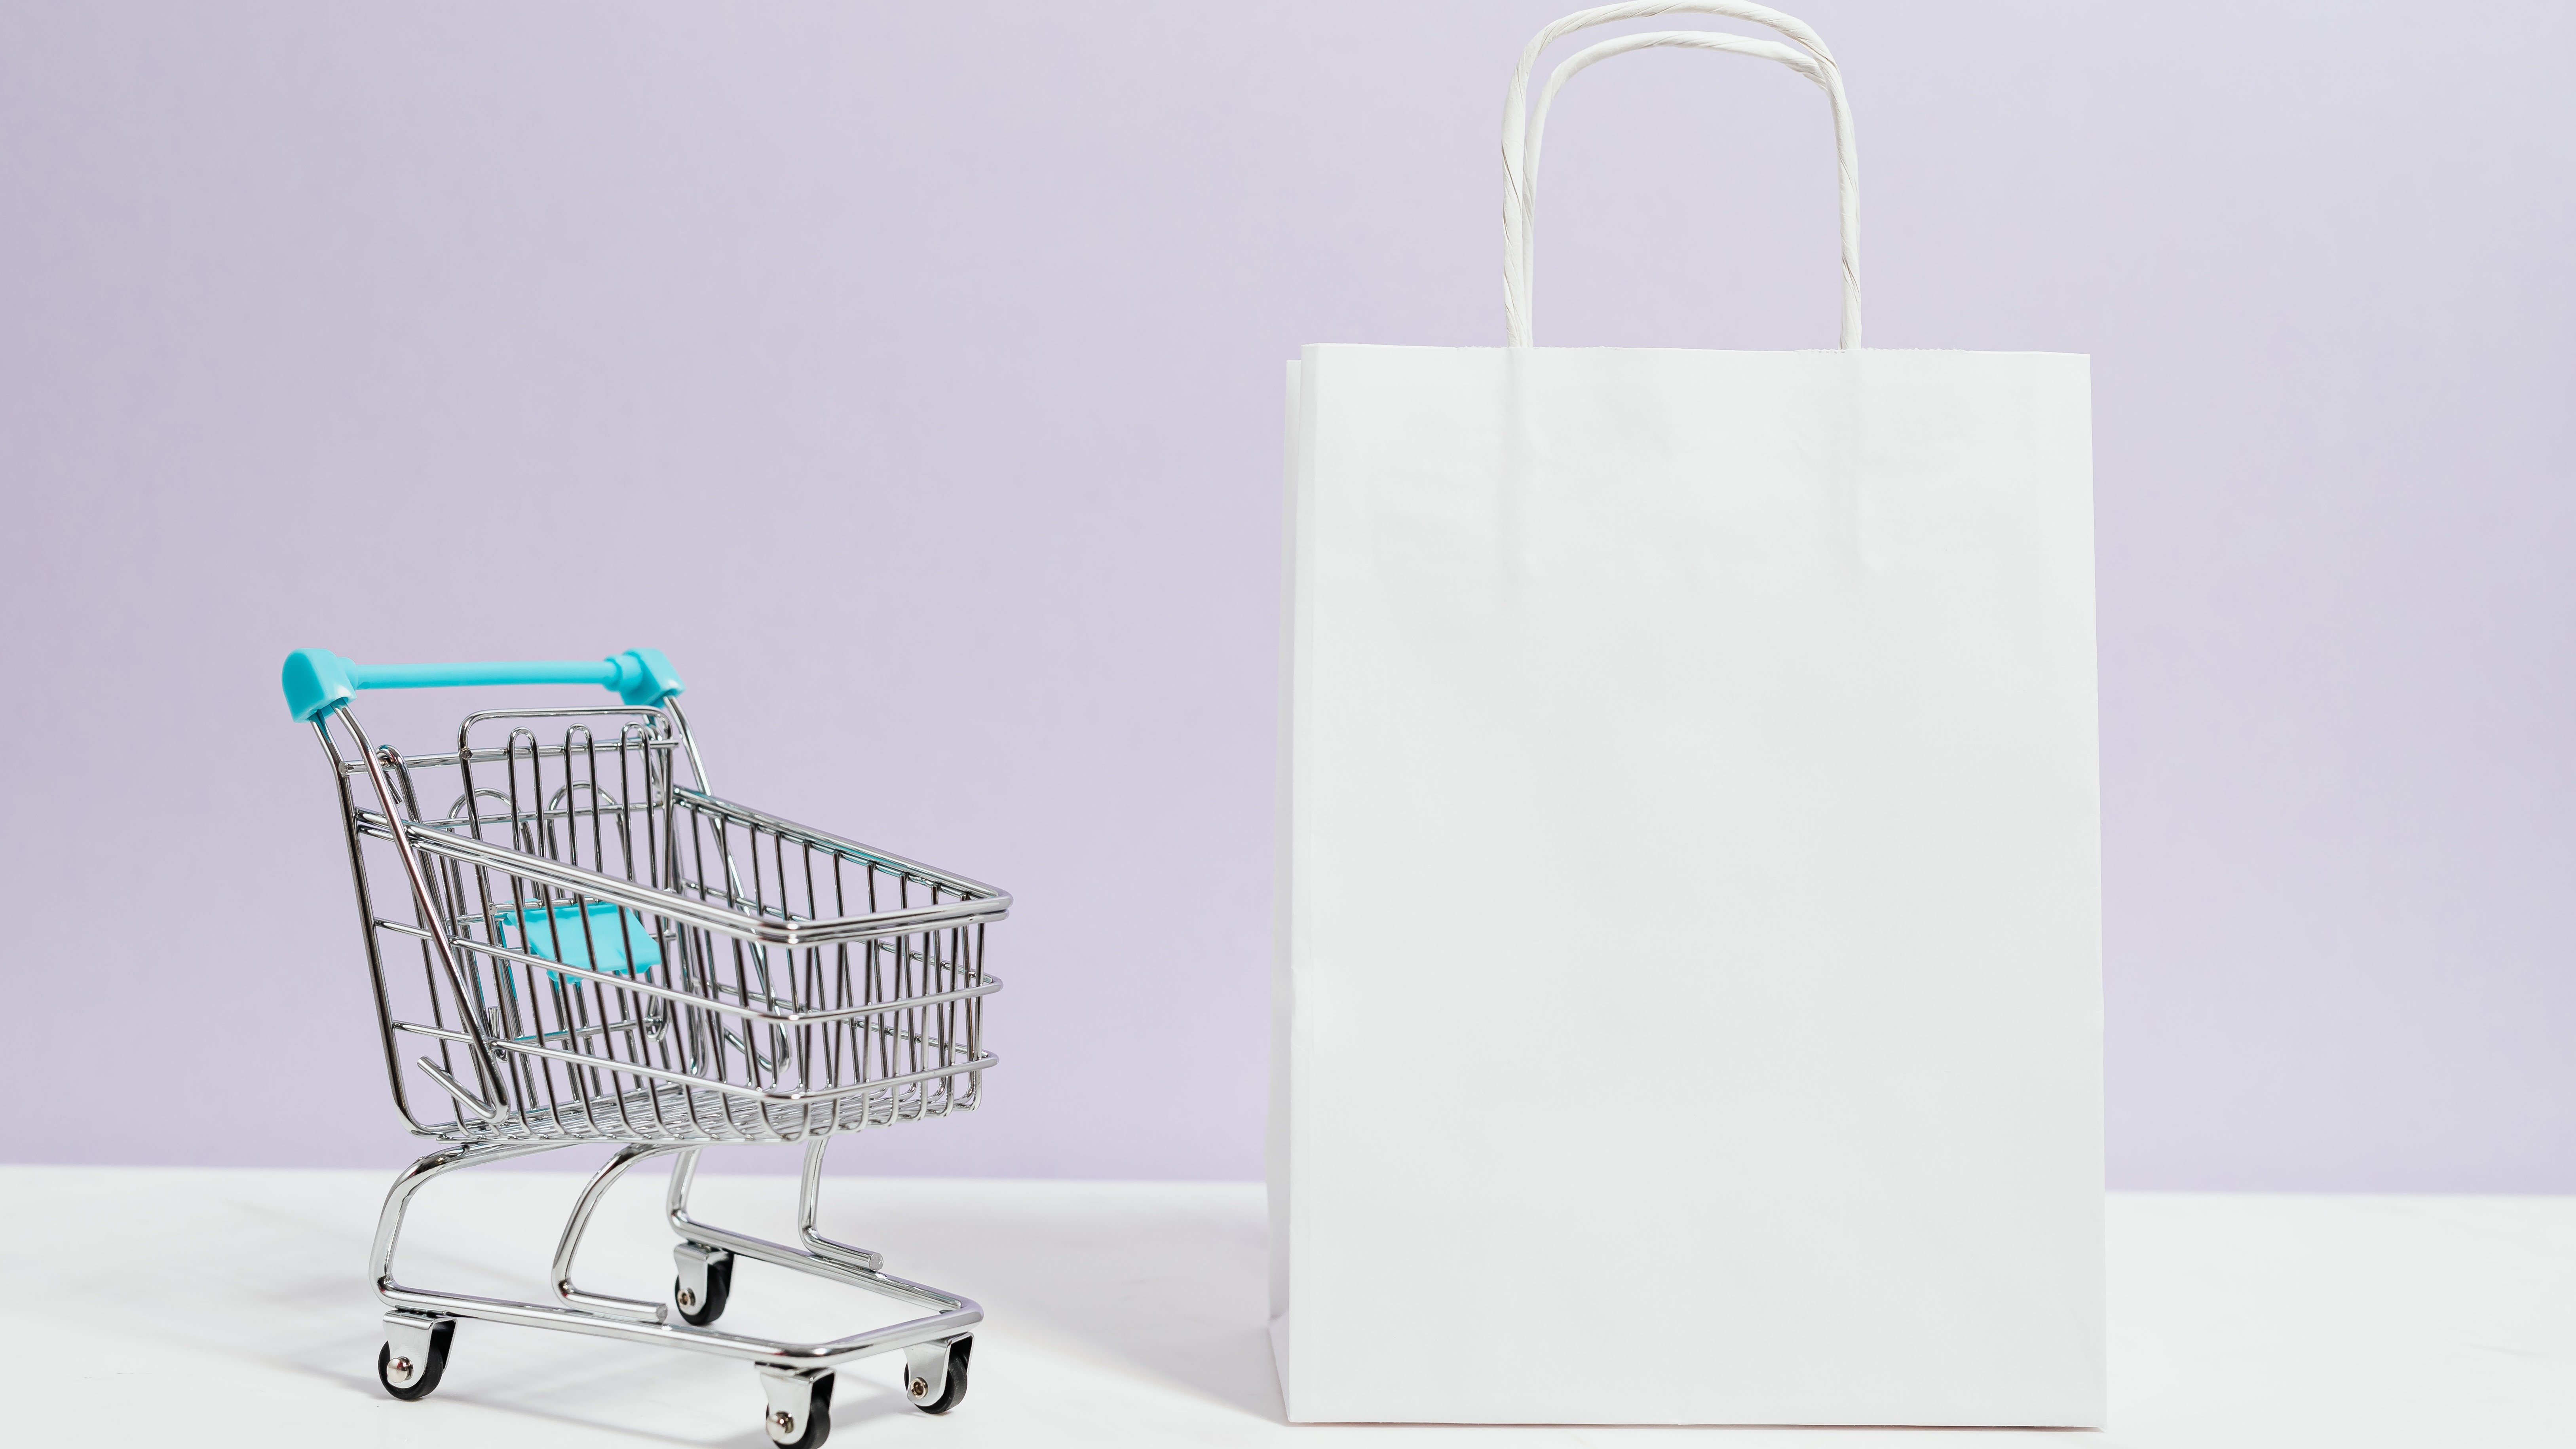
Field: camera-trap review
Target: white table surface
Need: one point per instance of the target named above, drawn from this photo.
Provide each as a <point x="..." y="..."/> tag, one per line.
<point x="222" y="1307"/>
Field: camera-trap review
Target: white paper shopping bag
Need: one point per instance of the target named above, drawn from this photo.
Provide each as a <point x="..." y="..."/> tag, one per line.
<point x="1688" y="1006"/>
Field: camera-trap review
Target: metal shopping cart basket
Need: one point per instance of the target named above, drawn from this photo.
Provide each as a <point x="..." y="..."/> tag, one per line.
<point x="571" y="939"/>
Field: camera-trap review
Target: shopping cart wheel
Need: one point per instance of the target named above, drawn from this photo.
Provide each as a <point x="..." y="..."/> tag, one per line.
<point x="955" y="1393"/>
<point x="416" y="1370"/>
<point x="800" y="1414"/>
<point x="705" y="1284"/>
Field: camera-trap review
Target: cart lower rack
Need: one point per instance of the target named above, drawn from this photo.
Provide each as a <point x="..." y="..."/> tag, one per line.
<point x="571" y="939"/>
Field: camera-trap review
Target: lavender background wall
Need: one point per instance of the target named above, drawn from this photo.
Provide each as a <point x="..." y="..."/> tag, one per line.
<point x="450" y="330"/>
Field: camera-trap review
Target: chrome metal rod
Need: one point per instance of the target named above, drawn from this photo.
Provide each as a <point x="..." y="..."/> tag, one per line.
<point x="741" y="925"/>
<point x="829" y="1353"/>
<point x="517" y="1047"/>
<point x="389" y="1222"/>
<point x="578" y="1223"/>
<point x="741" y="814"/>
<point x="809" y="1206"/>
<point x="684" y="1171"/>
<point x="714" y="997"/>
<point x="367" y="913"/>
<point x="436" y="1073"/>
<point x="485" y="1070"/>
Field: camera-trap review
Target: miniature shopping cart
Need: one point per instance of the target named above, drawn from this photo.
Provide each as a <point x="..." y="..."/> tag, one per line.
<point x="573" y="940"/>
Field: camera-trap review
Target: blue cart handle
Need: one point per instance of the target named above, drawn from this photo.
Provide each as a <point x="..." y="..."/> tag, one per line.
<point x="318" y="681"/>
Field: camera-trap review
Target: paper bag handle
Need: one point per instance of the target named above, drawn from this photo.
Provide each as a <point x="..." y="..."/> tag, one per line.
<point x="1522" y="132"/>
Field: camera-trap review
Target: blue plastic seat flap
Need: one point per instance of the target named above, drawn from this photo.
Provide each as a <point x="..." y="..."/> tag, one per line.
<point x="557" y="935"/>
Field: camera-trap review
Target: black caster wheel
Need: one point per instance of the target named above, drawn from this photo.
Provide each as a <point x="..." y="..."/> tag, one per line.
<point x="719" y="1293"/>
<point x="405" y="1379"/>
<point x="955" y="1394"/>
<point x="818" y="1420"/>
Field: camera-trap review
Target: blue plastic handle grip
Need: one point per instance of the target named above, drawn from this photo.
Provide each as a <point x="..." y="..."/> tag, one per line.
<point x="318" y="681"/>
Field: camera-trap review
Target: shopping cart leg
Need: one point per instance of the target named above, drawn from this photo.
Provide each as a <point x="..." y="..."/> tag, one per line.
<point x="934" y="1368"/>
<point x="414" y="1355"/>
<point x="809" y="1207"/>
<point x="412" y="1179"/>
<point x="819" y="1253"/>
<point x="705" y="1282"/>
<point x="796" y="1376"/>
<point x="579" y="1223"/>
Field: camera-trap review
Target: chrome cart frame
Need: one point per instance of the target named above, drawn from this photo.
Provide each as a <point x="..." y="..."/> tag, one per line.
<point x="608" y="954"/>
